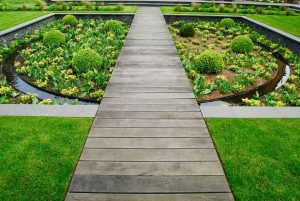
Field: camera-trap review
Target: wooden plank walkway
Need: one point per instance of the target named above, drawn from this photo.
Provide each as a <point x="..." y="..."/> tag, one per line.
<point x="148" y="140"/>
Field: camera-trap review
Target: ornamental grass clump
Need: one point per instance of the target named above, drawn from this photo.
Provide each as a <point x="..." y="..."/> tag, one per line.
<point x="227" y="23"/>
<point x="210" y="62"/>
<point x="187" y="30"/>
<point x="70" y="20"/>
<point x="242" y="44"/>
<point x="113" y="25"/>
<point x="86" y="59"/>
<point x="54" y="37"/>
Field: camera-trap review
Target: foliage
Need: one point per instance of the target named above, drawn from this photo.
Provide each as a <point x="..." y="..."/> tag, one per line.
<point x="54" y="68"/>
<point x="187" y="30"/>
<point x="54" y="37"/>
<point x="70" y="20"/>
<point x="85" y="60"/>
<point x="113" y="25"/>
<point x="243" y="71"/>
<point x="227" y="23"/>
<point x="209" y="62"/>
<point x="242" y="44"/>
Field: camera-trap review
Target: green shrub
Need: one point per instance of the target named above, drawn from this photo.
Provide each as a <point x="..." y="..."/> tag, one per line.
<point x="227" y="23"/>
<point x="222" y="8"/>
<point x="234" y="8"/>
<point x="86" y="59"/>
<point x="288" y="12"/>
<point x="113" y="25"/>
<point x="209" y="61"/>
<point x="54" y="37"/>
<point x="187" y="30"/>
<point x="178" y="9"/>
<point x="242" y="44"/>
<point x="119" y="7"/>
<point x="70" y="20"/>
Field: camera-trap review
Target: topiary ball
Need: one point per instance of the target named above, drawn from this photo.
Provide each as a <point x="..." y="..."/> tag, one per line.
<point x="242" y="44"/>
<point x="70" y="20"/>
<point x="86" y="59"/>
<point x="227" y="23"/>
<point x="54" y="37"/>
<point x="209" y="62"/>
<point x="113" y="25"/>
<point x="187" y="30"/>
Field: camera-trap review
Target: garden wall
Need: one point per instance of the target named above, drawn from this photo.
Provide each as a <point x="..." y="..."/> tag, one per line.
<point x="28" y="27"/>
<point x="276" y="35"/>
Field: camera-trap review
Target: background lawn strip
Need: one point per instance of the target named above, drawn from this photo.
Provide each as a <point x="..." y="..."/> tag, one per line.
<point x="289" y="24"/>
<point x="260" y="156"/>
<point x="38" y="155"/>
<point x="12" y="18"/>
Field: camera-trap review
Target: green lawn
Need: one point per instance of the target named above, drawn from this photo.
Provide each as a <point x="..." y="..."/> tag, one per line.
<point x="13" y="18"/>
<point x="19" y="1"/>
<point x="261" y="157"/>
<point x="288" y="24"/>
<point x="38" y="156"/>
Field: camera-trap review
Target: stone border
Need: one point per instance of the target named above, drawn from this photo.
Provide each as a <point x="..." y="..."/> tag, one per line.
<point x="30" y="26"/>
<point x="48" y="110"/>
<point x="274" y="34"/>
<point x="249" y="112"/>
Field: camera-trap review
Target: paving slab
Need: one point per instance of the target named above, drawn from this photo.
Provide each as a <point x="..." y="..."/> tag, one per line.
<point x="148" y="168"/>
<point x="149" y="184"/>
<point x="148" y="132"/>
<point x="48" y="110"/>
<point x="249" y="112"/>
<point x="149" y="136"/>
<point x="150" y="197"/>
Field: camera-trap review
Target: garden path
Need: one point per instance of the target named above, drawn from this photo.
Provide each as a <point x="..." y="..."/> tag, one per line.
<point x="149" y="140"/>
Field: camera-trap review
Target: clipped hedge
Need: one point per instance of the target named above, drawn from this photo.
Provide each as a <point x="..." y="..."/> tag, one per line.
<point x="113" y="25"/>
<point x="86" y="59"/>
<point x="70" y="20"/>
<point x="227" y="23"/>
<point x="54" y="37"/>
<point x="210" y="62"/>
<point x="242" y="44"/>
<point x="187" y="30"/>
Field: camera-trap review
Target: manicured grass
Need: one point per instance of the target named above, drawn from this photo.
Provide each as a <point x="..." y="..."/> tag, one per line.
<point x="13" y="18"/>
<point x="19" y="1"/>
<point x="261" y="157"/>
<point x="289" y="24"/>
<point x="38" y="156"/>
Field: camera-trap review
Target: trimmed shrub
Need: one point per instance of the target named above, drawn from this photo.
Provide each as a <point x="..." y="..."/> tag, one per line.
<point x="54" y="37"/>
<point x="209" y="62"/>
<point x="227" y="23"/>
<point x="187" y="30"/>
<point x="70" y="20"/>
<point x="242" y="44"/>
<point x="86" y="59"/>
<point x="113" y="25"/>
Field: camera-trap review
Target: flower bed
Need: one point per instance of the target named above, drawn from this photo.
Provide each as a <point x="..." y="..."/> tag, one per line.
<point x="70" y="57"/>
<point x="227" y="59"/>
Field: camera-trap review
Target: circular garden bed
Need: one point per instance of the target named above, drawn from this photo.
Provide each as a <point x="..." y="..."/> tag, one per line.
<point x="72" y="58"/>
<point x="227" y="59"/>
